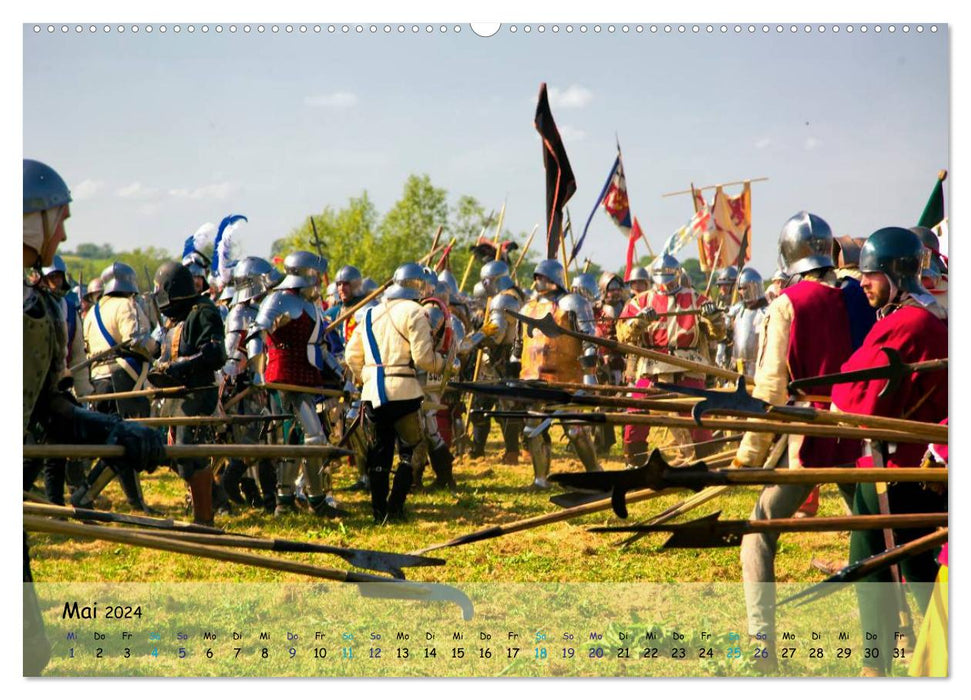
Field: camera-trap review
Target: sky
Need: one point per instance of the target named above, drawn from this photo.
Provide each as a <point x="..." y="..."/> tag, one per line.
<point x="164" y="132"/>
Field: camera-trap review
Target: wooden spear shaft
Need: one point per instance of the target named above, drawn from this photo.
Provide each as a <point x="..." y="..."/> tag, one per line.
<point x="764" y="426"/>
<point x="156" y="393"/>
<point x="186" y="451"/>
<point x="522" y="255"/>
<point x="827" y="475"/>
<point x="538" y="520"/>
<point x="347" y="313"/>
<point x="96" y="532"/>
<point x="209" y="420"/>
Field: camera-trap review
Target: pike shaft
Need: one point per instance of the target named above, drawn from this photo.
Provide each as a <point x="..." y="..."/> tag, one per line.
<point x="184" y="451"/>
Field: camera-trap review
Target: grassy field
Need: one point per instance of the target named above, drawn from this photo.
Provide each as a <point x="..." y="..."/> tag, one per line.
<point x="488" y="493"/>
<point x="547" y="580"/>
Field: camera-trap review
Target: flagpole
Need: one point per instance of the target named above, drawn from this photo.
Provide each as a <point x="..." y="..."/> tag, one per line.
<point x="715" y="187"/>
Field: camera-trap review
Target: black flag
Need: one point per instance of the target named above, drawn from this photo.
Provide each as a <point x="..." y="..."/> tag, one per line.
<point x="560" y="183"/>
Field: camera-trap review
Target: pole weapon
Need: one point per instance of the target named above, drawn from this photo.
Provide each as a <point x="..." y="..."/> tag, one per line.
<point x="392" y="588"/>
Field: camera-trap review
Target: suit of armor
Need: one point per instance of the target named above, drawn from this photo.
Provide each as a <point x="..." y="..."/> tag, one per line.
<point x="560" y="359"/>
<point x="297" y="354"/>
<point x="495" y="339"/>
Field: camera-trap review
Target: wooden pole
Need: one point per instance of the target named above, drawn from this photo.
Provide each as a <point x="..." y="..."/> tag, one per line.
<point x="144" y="393"/>
<point x="522" y="255"/>
<point x="714" y="187"/>
<point x="110" y="534"/>
<point x="186" y="451"/>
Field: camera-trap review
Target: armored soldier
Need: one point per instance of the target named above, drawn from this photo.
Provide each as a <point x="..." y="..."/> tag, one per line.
<point x="293" y="325"/>
<point x="48" y="408"/>
<point x="911" y="322"/>
<point x="447" y="333"/>
<point x="495" y="338"/>
<point x="721" y="350"/>
<point x="392" y="342"/>
<point x="193" y="351"/>
<point x="933" y="274"/>
<point x="198" y="265"/>
<point x="243" y="369"/>
<point x="115" y="319"/>
<point x="561" y="359"/>
<point x="607" y="312"/>
<point x="776" y="285"/>
<point x="811" y="329"/>
<point x="747" y="319"/>
<point x="92" y="292"/>
<point x="683" y="336"/>
<point x="54" y="278"/>
<point x="348" y="287"/>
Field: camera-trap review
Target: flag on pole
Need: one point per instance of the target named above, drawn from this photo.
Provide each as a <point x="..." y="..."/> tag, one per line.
<point x="721" y="245"/>
<point x="635" y="233"/>
<point x="933" y="213"/>
<point x="560" y="182"/>
<point x="695" y="228"/>
<point x="613" y="198"/>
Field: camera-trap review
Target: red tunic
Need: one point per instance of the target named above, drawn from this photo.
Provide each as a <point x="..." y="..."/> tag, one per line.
<point x="673" y="331"/>
<point x="819" y="343"/>
<point x="917" y="335"/>
<point x="286" y="351"/>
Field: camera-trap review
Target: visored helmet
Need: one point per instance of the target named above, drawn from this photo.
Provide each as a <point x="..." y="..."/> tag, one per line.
<point x="750" y="287"/>
<point x="551" y="270"/>
<point x="198" y="265"/>
<point x="727" y="276"/>
<point x="585" y="284"/>
<point x="227" y="294"/>
<point x="409" y="282"/>
<point x="119" y="280"/>
<point x="174" y="288"/>
<point x="251" y="278"/>
<point x="479" y="292"/>
<point x="304" y="270"/>
<point x="806" y="243"/>
<point x="897" y="253"/>
<point x="43" y="187"/>
<point x="494" y="277"/>
<point x="666" y="274"/>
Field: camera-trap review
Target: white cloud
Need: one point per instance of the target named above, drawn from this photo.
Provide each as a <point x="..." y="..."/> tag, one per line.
<point x="570" y="133"/>
<point x="219" y="190"/>
<point x="86" y="189"/>
<point x="135" y="190"/>
<point x="811" y="143"/>
<point x="339" y="100"/>
<point x="574" y="97"/>
<point x="763" y="143"/>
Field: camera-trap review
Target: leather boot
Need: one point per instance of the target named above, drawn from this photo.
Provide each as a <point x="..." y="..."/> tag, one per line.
<point x="200" y="486"/>
<point x="442" y="460"/>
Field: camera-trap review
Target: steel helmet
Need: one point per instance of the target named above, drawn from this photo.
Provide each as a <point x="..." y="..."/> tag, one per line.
<point x="351" y="276"/>
<point x="368" y="285"/>
<point x="304" y="269"/>
<point x="173" y="284"/>
<point x="43" y="187"/>
<point x="727" y="276"/>
<point x="409" y="282"/>
<point x="806" y="243"/>
<point x="553" y="271"/>
<point x="846" y="251"/>
<point x="431" y="280"/>
<point x="119" y="279"/>
<point x="94" y="289"/>
<point x="448" y="278"/>
<point x="897" y="253"/>
<point x="639" y="273"/>
<point x="251" y="278"/>
<point x="666" y="274"/>
<point x="750" y="287"/>
<point x="494" y="277"/>
<point x="585" y="284"/>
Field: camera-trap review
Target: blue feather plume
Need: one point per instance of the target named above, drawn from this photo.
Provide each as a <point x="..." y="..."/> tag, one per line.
<point x="221" y="260"/>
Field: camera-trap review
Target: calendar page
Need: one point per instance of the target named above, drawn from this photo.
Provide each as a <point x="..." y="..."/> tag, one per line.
<point x="437" y="349"/>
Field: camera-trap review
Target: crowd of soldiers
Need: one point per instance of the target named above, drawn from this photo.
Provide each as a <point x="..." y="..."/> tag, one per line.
<point x="368" y="367"/>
